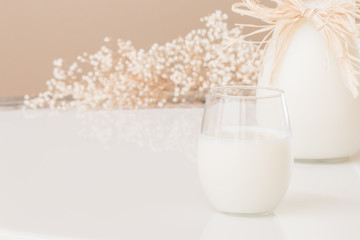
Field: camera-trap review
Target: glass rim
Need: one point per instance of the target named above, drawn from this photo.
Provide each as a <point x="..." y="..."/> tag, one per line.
<point x="273" y="92"/>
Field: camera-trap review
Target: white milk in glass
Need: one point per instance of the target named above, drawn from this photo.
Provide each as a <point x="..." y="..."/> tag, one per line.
<point x="245" y="169"/>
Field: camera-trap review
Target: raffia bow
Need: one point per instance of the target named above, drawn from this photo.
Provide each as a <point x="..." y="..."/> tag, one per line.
<point x="336" y="22"/>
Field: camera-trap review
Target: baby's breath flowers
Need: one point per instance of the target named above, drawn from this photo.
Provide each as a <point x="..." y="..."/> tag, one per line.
<point x="180" y="71"/>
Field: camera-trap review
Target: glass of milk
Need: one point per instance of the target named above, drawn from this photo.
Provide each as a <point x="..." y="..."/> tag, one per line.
<point x="244" y="151"/>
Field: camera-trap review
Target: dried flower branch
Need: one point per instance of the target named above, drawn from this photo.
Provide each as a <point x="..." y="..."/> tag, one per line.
<point x="180" y="71"/>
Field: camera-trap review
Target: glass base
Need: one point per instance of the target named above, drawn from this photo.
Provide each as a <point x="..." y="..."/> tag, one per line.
<point x="247" y="214"/>
<point x="321" y="160"/>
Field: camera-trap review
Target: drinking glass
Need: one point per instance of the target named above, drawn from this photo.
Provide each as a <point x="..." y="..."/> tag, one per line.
<point x="244" y="150"/>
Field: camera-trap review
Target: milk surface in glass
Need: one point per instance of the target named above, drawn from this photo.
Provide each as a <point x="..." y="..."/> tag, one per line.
<point x="245" y="169"/>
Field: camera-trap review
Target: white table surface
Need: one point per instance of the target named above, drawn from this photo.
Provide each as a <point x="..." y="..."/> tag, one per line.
<point x="133" y="175"/>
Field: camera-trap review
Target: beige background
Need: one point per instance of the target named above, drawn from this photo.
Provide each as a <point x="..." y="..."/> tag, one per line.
<point x="35" y="32"/>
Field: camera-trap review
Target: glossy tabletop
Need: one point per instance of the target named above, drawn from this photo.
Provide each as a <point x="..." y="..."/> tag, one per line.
<point x="132" y="174"/>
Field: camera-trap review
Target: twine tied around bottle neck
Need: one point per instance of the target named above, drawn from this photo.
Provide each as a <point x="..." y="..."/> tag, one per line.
<point x="309" y="13"/>
<point x="336" y="22"/>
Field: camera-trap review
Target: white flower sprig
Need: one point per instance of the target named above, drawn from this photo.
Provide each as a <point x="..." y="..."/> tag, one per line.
<point x="180" y="71"/>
